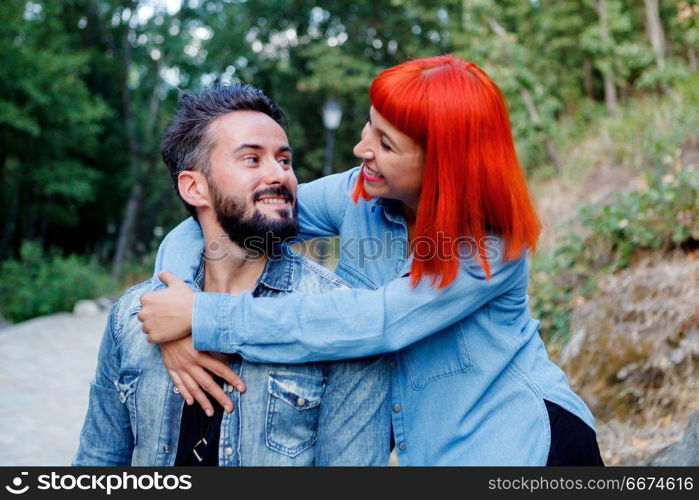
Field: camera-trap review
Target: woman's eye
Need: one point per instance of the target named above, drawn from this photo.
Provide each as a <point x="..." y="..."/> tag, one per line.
<point x="385" y="146"/>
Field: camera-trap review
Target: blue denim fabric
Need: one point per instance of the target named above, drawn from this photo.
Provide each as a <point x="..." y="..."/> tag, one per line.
<point x="302" y="414"/>
<point x="470" y="372"/>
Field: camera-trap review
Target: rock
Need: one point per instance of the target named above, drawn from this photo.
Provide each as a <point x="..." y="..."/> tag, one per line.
<point x="104" y="303"/>
<point x="86" y="308"/>
<point x="3" y="322"/>
<point x="634" y="349"/>
<point x="685" y="452"/>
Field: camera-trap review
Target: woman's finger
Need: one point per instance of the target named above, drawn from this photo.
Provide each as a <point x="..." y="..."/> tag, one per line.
<point x="181" y="388"/>
<point x="207" y="383"/>
<point x="198" y="394"/>
<point x="219" y="368"/>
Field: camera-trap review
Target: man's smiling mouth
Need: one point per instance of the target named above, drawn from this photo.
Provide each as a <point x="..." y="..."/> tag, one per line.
<point x="273" y="200"/>
<point x="275" y="196"/>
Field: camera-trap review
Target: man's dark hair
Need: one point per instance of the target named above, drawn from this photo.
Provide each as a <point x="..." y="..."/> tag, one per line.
<point x="187" y="143"/>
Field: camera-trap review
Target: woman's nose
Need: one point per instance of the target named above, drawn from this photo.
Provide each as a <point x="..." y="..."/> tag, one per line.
<point x="362" y="150"/>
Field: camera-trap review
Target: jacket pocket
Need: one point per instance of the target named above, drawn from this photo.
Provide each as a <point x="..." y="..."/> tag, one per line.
<point x="292" y="411"/>
<point x="126" y="385"/>
<point x="440" y="355"/>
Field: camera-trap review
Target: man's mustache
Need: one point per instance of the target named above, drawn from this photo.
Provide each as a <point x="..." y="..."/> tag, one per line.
<point x="282" y="191"/>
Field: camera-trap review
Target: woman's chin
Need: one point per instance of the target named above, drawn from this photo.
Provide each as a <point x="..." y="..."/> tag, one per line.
<point x="375" y="191"/>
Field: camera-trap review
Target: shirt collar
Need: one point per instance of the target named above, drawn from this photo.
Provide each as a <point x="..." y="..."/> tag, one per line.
<point x="391" y="208"/>
<point x="278" y="273"/>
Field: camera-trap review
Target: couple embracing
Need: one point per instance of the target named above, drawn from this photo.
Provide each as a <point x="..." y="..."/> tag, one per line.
<point x="254" y="355"/>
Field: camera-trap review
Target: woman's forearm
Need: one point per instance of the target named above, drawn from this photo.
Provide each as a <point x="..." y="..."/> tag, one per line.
<point x="346" y="323"/>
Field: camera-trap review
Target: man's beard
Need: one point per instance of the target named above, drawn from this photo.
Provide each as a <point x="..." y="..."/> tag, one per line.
<point x="258" y="234"/>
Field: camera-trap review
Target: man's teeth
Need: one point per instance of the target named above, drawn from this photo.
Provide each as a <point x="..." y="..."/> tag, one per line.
<point x="273" y="201"/>
<point x="371" y="172"/>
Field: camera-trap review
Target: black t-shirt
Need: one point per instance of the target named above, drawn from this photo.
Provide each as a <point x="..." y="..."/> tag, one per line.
<point x="194" y="426"/>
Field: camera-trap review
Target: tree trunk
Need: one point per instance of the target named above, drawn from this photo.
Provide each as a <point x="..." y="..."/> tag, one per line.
<point x="588" y="78"/>
<point x="655" y="32"/>
<point x="136" y="156"/>
<point x="536" y="120"/>
<point x="132" y="205"/>
<point x="692" y="58"/>
<point x="501" y="32"/>
<point x="610" y="97"/>
<point x="11" y="224"/>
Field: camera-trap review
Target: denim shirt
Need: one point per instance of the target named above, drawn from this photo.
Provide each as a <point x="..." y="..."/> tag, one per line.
<point x="302" y="414"/>
<point x="469" y="371"/>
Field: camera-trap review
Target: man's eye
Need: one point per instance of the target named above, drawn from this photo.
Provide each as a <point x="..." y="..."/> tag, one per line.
<point x="284" y="161"/>
<point x="250" y="159"/>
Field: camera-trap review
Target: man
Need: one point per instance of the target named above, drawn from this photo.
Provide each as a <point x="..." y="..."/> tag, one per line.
<point x="231" y="163"/>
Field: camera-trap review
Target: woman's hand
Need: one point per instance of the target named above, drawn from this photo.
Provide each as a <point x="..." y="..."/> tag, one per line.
<point x="167" y="314"/>
<point x="190" y="369"/>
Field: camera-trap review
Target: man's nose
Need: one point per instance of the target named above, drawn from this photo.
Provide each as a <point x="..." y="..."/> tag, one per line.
<point x="275" y="173"/>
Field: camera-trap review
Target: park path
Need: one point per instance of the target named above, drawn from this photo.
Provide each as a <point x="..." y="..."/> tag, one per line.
<point x="45" y="369"/>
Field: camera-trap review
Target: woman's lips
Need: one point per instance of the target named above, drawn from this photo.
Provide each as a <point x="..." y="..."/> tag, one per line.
<point x="369" y="177"/>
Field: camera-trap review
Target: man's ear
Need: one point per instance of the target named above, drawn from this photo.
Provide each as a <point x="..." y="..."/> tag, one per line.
<point x="194" y="188"/>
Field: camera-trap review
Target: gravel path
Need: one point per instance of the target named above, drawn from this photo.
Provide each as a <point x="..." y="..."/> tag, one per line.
<point x="45" y="369"/>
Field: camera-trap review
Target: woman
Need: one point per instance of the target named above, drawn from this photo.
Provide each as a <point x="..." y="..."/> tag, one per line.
<point x="441" y="194"/>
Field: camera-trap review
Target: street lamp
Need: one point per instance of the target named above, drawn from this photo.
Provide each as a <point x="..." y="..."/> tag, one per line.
<point x="332" y="115"/>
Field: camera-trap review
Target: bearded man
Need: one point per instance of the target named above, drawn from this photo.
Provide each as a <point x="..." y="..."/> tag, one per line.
<point x="231" y="163"/>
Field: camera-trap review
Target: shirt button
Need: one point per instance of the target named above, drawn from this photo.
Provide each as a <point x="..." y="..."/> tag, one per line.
<point x="166" y="448"/>
<point x="229" y="388"/>
<point x="402" y="446"/>
<point x="176" y="390"/>
<point x="394" y="364"/>
<point x="300" y="401"/>
<point x="229" y="451"/>
<point x="122" y="396"/>
<point x="396" y="408"/>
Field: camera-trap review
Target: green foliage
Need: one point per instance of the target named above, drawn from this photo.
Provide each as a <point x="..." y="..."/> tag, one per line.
<point x="645" y="136"/>
<point x="40" y="282"/>
<point x="663" y="214"/>
<point x="71" y="149"/>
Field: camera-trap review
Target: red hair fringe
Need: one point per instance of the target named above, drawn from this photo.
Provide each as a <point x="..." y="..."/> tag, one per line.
<point x="472" y="184"/>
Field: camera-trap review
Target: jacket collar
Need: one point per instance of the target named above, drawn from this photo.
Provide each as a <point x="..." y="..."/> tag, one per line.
<point x="278" y="273"/>
<point x="391" y="209"/>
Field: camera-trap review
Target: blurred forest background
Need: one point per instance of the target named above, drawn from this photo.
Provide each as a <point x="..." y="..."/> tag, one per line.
<point x="604" y="103"/>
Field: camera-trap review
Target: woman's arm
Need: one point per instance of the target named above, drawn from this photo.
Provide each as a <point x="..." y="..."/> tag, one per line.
<point x="344" y="323"/>
<point x="322" y="204"/>
<point x="180" y="253"/>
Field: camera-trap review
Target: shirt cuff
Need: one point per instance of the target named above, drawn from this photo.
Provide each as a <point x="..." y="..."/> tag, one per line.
<point x="210" y="316"/>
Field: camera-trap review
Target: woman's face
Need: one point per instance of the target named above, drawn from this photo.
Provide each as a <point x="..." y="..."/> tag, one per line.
<point x="392" y="162"/>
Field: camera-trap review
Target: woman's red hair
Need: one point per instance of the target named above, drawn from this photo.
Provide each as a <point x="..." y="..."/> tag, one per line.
<point x="472" y="183"/>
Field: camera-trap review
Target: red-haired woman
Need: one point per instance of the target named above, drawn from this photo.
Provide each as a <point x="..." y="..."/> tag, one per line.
<point x="434" y="229"/>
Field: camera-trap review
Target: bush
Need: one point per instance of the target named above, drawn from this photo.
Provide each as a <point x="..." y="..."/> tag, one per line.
<point x="662" y="215"/>
<point x="42" y="282"/>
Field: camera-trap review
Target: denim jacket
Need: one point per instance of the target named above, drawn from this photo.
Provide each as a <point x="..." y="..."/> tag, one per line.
<point x="469" y="371"/>
<point x="302" y="414"/>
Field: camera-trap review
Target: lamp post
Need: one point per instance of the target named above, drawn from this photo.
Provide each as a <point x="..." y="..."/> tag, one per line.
<point x="332" y="115"/>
